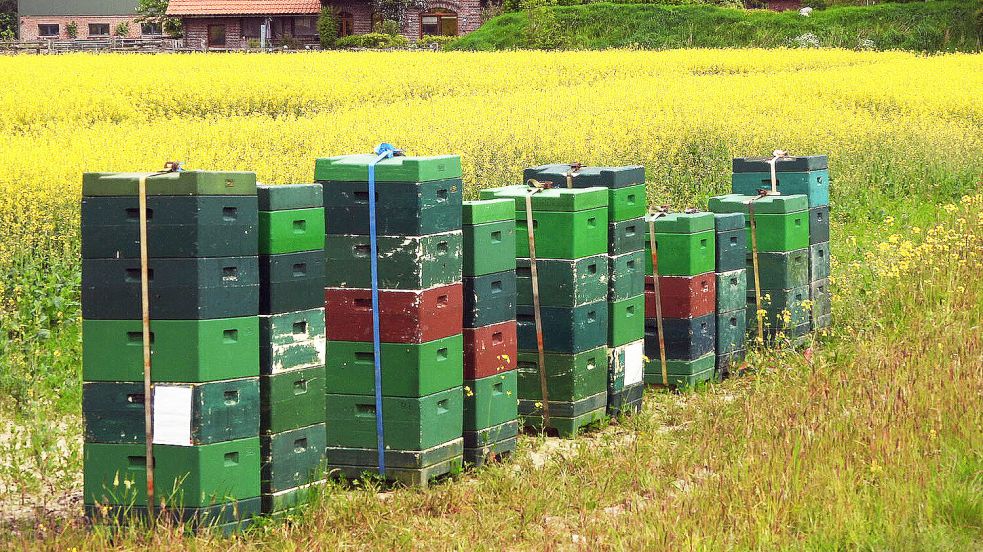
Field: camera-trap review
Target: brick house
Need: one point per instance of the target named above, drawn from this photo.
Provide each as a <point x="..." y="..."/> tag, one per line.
<point x="52" y="19"/>
<point x="235" y="24"/>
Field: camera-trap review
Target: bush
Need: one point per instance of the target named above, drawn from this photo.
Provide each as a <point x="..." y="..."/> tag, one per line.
<point x="372" y="40"/>
<point x="72" y="30"/>
<point x="388" y="27"/>
<point x="327" y="27"/>
<point x="123" y="29"/>
<point x="435" y="42"/>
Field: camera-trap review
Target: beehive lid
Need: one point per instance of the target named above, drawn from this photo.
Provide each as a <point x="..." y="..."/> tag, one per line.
<point x="737" y="203"/>
<point x="785" y="164"/>
<point x="587" y="177"/>
<point x="681" y="223"/>
<point x="171" y="183"/>
<point x="355" y="168"/>
<point x="289" y="196"/>
<point x="487" y="210"/>
<point x="729" y="221"/>
<point x="553" y="199"/>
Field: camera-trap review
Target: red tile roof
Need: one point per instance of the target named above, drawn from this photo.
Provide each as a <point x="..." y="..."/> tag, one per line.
<point x="243" y="7"/>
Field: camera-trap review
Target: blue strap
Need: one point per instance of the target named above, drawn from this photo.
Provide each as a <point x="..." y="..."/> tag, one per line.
<point x="383" y="151"/>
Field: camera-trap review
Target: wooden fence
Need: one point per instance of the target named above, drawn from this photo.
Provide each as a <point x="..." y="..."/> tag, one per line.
<point x="113" y="44"/>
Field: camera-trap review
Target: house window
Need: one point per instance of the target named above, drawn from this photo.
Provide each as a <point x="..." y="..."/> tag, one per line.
<point x="376" y="21"/>
<point x="346" y="24"/>
<point x="252" y="28"/>
<point x="439" y="22"/>
<point x="151" y="29"/>
<point x="216" y="36"/>
<point x="48" y="30"/>
<point x="98" y="29"/>
<point x="305" y="26"/>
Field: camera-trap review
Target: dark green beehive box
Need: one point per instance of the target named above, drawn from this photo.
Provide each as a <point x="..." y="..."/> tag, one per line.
<point x="587" y="177"/>
<point x="292" y="399"/>
<point x="291" y="282"/>
<point x="780" y="269"/>
<point x="396" y="460"/>
<point x="562" y="282"/>
<point x="408" y="370"/>
<point x="626" y="276"/>
<point x="183" y="350"/>
<point x="402" y="208"/>
<point x="170" y="184"/>
<point x="731" y="290"/>
<point x="626" y="236"/>
<point x="205" y="412"/>
<point x="193" y="476"/>
<point x="490" y="401"/>
<point x="565" y="329"/>
<point x="731" y="331"/>
<point x="410" y="423"/>
<point x="564" y="409"/>
<point x="177" y="226"/>
<point x="289" y="197"/>
<point x="180" y="289"/>
<point x="483" y="437"/>
<point x="681" y="373"/>
<point x="292" y="458"/>
<point x="807" y="175"/>
<point x="489" y="299"/>
<point x="291" y="341"/>
<point x="820" y="263"/>
<point x="411" y="262"/>
<point x="777" y="302"/>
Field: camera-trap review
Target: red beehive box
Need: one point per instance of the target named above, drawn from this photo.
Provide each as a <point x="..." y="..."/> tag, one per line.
<point x="682" y="296"/>
<point x="405" y="316"/>
<point x="490" y="350"/>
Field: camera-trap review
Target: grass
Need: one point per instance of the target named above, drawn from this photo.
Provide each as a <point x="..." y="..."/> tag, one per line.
<point x="943" y="26"/>
<point x="874" y="443"/>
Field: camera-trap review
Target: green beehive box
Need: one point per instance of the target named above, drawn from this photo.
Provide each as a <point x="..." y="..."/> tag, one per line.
<point x="562" y="282"/>
<point x="490" y="401"/>
<point x="291" y="341"/>
<point x="682" y="254"/>
<point x="355" y="168"/>
<point x="566" y="428"/>
<point x="563" y="235"/>
<point x="819" y="261"/>
<point x="293" y="399"/>
<point x="487" y="210"/>
<point x="183" y="350"/>
<point x="412" y="262"/>
<point x="731" y="290"/>
<point x="187" y="414"/>
<point x="782" y="222"/>
<point x="492" y="452"/>
<point x="223" y="519"/>
<point x="780" y="269"/>
<point x="568" y="377"/>
<point x="564" y="409"/>
<point x="489" y="247"/>
<point x="408" y="370"/>
<point x="288" y="197"/>
<point x="626" y="321"/>
<point x="553" y="200"/>
<point x="682" y="223"/>
<point x="731" y="331"/>
<point x="626" y="203"/>
<point x="807" y="175"/>
<point x="171" y="184"/>
<point x="625" y="275"/>
<point x="183" y="476"/>
<point x="822" y="298"/>
<point x="292" y="458"/>
<point x="409" y="423"/>
<point x="681" y="373"/>
<point x="586" y="177"/>
<point x="775" y="302"/>
<point x="395" y="459"/>
<point x="291" y="231"/>
<point x="626" y="236"/>
<point x="483" y="437"/>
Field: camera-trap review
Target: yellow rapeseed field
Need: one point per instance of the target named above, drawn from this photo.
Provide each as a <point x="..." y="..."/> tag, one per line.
<point x="681" y="113"/>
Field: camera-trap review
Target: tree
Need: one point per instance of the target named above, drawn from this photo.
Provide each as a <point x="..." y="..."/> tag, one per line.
<point x="327" y="27"/>
<point x="155" y="11"/>
<point x="8" y="19"/>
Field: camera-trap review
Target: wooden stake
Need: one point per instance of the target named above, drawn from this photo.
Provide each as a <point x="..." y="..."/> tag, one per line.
<point x="534" y="273"/>
<point x="148" y="415"/>
<point x="658" y="302"/>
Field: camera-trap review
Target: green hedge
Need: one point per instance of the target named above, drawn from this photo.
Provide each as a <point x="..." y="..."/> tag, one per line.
<point x="372" y="40"/>
<point x="950" y="25"/>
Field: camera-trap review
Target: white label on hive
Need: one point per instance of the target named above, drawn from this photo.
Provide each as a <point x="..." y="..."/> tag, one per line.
<point x="634" y="362"/>
<point x="172" y="415"/>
